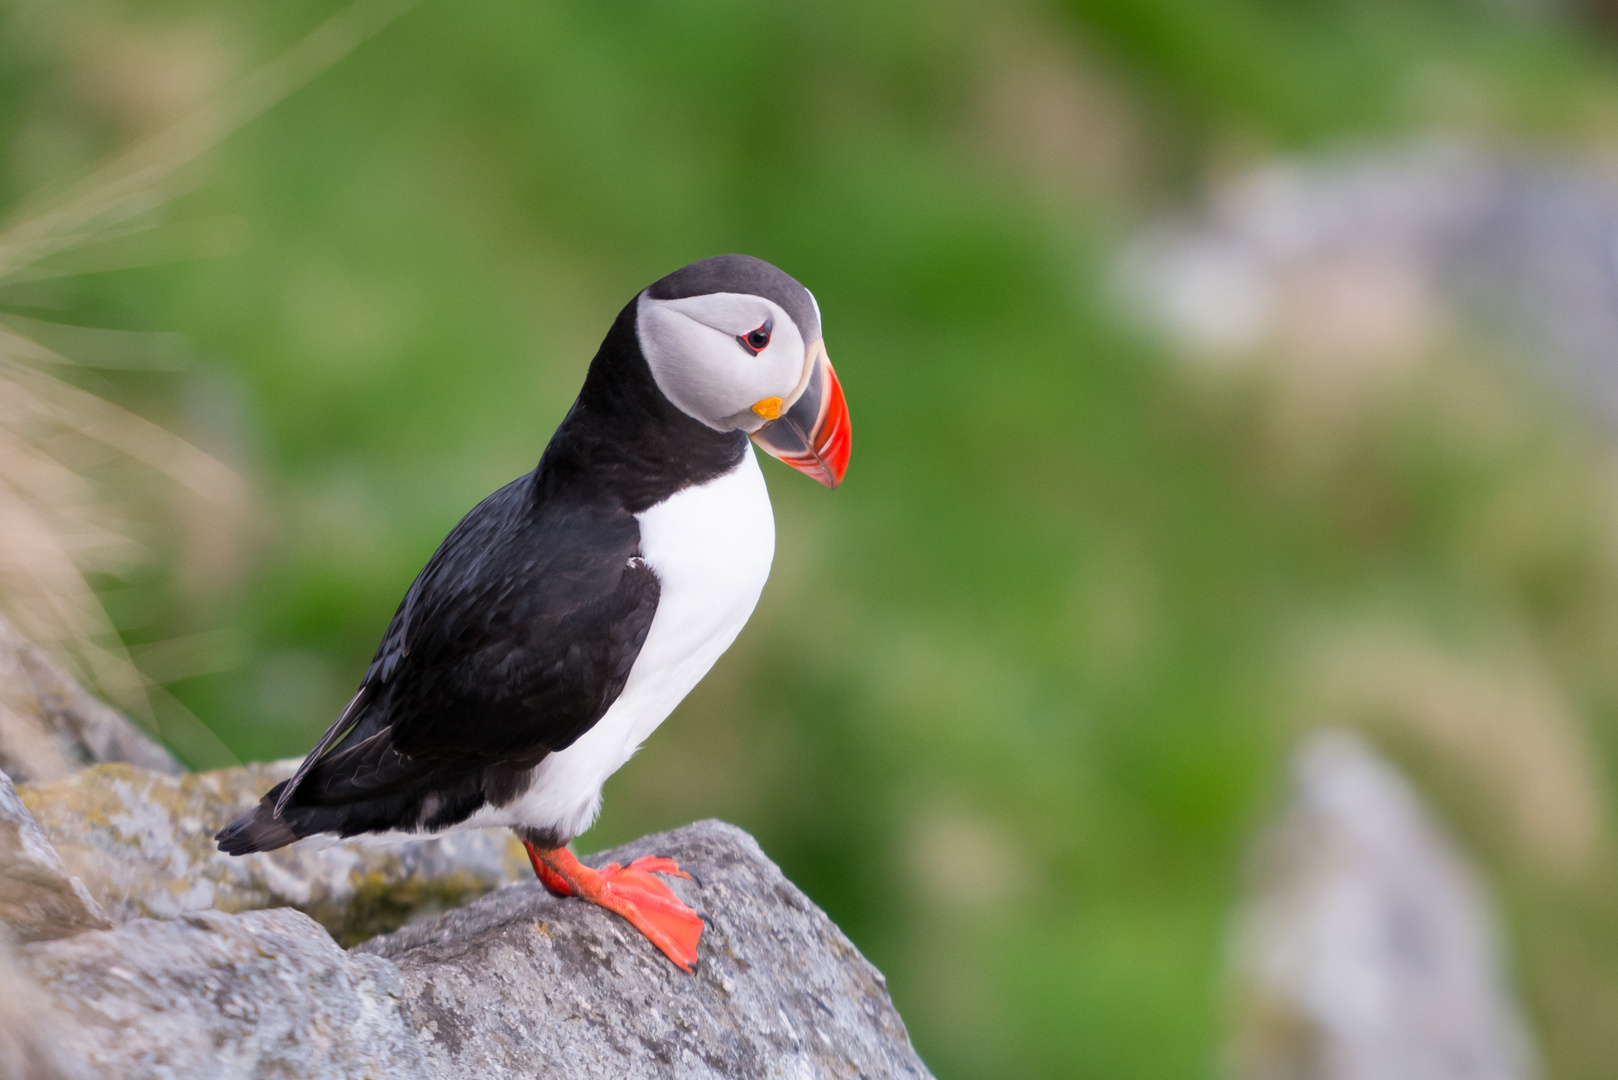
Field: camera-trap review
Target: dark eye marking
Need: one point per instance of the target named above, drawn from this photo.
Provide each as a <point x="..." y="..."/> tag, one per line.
<point x="755" y="341"/>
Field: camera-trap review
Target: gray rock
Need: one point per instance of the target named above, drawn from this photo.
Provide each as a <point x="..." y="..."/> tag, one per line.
<point x="142" y="843"/>
<point x="34" y="1042"/>
<point x="520" y="984"/>
<point x="263" y="994"/>
<point x="39" y="898"/>
<point x="1368" y="951"/>
<point x="516" y="984"/>
<point x="51" y="727"/>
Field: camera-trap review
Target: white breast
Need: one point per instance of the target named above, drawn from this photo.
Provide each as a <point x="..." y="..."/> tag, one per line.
<point x="711" y="548"/>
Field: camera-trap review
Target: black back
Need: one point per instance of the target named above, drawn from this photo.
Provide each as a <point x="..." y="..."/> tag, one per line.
<point x="521" y="630"/>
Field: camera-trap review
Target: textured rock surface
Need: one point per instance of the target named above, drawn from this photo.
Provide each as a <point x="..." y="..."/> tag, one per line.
<point x="1368" y="952"/>
<point x="39" y="899"/>
<point x="35" y="1043"/>
<point x="142" y="843"/>
<point x="263" y="994"/>
<point x="51" y="727"/>
<point x="145" y="953"/>
<point x="520" y="984"/>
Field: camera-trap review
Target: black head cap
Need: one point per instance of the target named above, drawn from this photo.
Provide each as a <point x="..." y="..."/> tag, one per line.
<point x="743" y="274"/>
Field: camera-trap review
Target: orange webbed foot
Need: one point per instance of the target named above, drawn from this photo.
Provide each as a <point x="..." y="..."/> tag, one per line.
<point x="632" y="892"/>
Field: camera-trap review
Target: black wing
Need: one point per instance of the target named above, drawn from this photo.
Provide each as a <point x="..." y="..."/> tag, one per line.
<point x="511" y="643"/>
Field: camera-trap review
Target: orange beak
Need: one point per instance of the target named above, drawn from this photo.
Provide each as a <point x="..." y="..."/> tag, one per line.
<point x="813" y="436"/>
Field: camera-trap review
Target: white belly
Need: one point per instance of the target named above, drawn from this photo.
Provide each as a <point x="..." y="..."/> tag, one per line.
<point x="711" y="548"/>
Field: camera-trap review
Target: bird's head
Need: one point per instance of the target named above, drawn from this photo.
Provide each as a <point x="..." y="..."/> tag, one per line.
<point x="735" y="343"/>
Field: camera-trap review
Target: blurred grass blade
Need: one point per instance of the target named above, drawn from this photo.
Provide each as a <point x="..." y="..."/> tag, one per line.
<point x="135" y="182"/>
<point x="96" y="418"/>
<point x="58" y="524"/>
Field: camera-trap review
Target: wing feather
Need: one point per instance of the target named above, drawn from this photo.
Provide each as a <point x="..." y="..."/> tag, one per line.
<point x="514" y="639"/>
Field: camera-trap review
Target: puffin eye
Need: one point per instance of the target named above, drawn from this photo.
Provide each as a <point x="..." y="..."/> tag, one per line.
<point x="755" y="341"/>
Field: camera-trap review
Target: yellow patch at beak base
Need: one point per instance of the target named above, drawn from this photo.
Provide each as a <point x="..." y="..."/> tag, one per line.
<point x="769" y="408"/>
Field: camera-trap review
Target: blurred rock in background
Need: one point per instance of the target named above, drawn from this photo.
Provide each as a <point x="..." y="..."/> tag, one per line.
<point x="1348" y="267"/>
<point x="51" y="727"/>
<point x="1368" y="950"/>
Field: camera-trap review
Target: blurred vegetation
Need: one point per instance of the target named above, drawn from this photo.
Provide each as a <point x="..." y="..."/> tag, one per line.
<point x="1016" y="698"/>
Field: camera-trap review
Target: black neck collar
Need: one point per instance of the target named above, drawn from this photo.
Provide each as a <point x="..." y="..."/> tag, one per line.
<point x="623" y="441"/>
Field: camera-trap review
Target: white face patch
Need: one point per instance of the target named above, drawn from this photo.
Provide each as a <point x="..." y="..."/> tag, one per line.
<point x="692" y="348"/>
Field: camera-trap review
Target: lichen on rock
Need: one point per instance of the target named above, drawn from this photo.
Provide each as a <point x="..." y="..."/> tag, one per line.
<point x="39" y="898"/>
<point x="142" y="843"/>
<point x="144" y="952"/>
<point x="516" y="984"/>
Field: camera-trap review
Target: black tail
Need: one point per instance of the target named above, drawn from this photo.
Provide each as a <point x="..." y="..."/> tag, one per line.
<point x="371" y="787"/>
<point x="257" y="830"/>
<point x="456" y="794"/>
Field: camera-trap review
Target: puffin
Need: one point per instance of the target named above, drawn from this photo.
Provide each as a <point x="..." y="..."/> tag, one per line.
<point x="564" y="618"/>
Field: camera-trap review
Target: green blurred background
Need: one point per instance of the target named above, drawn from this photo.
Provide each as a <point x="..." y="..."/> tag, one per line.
<point x="1019" y="696"/>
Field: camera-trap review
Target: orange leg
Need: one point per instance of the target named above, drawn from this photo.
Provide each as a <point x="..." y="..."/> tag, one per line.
<point x="650" y="905"/>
